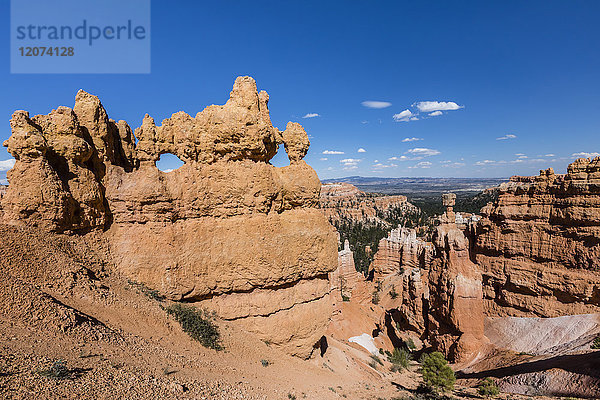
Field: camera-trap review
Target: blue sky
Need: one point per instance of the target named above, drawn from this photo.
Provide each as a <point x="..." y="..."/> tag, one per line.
<point x="516" y="84"/>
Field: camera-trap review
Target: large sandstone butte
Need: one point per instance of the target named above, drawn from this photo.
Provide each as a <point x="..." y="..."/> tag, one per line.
<point x="539" y="244"/>
<point x="227" y="230"/>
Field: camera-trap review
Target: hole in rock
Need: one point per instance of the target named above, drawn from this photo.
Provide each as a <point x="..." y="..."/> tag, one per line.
<point x="168" y="162"/>
<point x="281" y="158"/>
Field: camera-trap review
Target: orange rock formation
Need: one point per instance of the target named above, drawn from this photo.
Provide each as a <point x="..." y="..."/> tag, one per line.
<point x="227" y="229"/>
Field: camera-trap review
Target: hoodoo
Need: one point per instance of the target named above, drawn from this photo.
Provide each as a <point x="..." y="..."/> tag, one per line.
<point x="227" y="230"/>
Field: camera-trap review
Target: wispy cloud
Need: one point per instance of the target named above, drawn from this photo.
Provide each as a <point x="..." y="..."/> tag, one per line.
<point x="349" y="162"/>
<point x="507" y="137"/>
<point x="435" y="113"/>
<point x="311" y="115"/>
<point x="485" y="162"/>
<point x="549" y="155"/>
<point x="430" y="106"/>
<point x="403" y="116"/>
<point x="5" y="165"/>
<point x="585" y="155"/>
<point x="364" y="122"/>
<point x="401" y="158"/>
<point x="423" y="151"/>
<point x="323" y="159"/>
<point x="361" y="150"/>
<point x="422" y="164"/>
<point x="379" y="166"/>
<point x="411" y="139"/>
<point x="376" y="104"/>
<point x="332" y="152"/>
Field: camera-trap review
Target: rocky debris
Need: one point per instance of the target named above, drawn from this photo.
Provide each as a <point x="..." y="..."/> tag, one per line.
<point x="538" y="245"/>
<point x="345" y="201"/>
<point x="224" y="230"/>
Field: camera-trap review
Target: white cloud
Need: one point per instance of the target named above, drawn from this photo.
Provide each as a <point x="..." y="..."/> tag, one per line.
<point x="429" y="106"/>
<point x="350" y="160"/>
<point x="376" y="104"/>
<point x="166" y="171"/>
<point x="519" y="154"/>
<point x="549" y="155"/>
<point x="423" y="151"/>
<point x="376" y="161"/>
<point x="422" y="164"/>
<point x="311" y="115"/>
<point x="523" y="156"/>
<point x="361" y="150"/>
<point x="380" y="166"/>
<point x="5" y="165"/>
<point x="435" y="113"/>
<point x="330" y="152"/>
<point x="411" y="139"/>
<point x="350" y="167"/>
<point x="583" y="154"/>
<point x="3" y="181"/>
<point x="401" y="158"/>
<point x="364" y="122"/>
<point x="485" y="162"/>
<point x="506" y="137"/>
<point x="350" y="163"/>
<point x="403" y="116"/>
<point x="323" y="159"/>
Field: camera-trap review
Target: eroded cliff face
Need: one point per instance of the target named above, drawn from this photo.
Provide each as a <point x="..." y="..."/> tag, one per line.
<point x="227" y="230"/>
<point x="345" y="201"/>
<point x="538" y="245"/>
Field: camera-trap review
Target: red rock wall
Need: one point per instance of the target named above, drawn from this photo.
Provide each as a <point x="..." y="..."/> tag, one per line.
<point x="538" y="245"/>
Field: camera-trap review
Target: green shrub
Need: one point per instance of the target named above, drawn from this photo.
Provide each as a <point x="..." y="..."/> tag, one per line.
<point x="411" y="344"/>
<point x="198" y="324"/>
<point x="146" y="291"/>
<point x="596" y="343"/>
<point x="58" y="370"/>
<point x="376" y="359"/>
<point x="265" y="363"/>
<point x="488" y="388"/>
<point x="437" y="373"/>
<point x="400" y="359"/>
<point x="375" y="298"/>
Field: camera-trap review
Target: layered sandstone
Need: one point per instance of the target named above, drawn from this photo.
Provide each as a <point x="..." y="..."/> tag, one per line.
<point x="345" y="201"/>
<point x="227" y="230"/>
<point x="401" y="249"/>
<point x="538" y="245"/>
<point x="456" y="320"/>
<point x="437" y="289"/>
